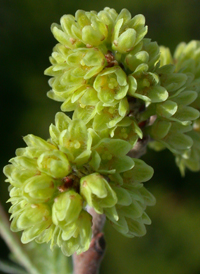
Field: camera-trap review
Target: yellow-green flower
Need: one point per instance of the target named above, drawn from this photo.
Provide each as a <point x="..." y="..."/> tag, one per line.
<point x="103" y="68"/>
<point x="52" y="183"/>
<point x="175" y="126"/>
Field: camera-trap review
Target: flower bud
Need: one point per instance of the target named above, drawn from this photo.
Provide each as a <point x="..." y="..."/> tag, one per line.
<point x="54" y="163"/>
<point x="111" y="85"/>
<point x="17" y="175"/>
<point x="94" y="32"/>
<point x="31" y="218"/>
<point x="38" y="188"/>
<point x="77" y="236"/>
<point x="131" y="216"/>
<point x="66" y="208"/>
<point x="113" y="155"/>
<point x="128" y="32"/>
<point x="85" y="62"/>
<point x="75" y="142"/>
<point x="147" y="88"/>
<point x="108" y="16"/>
<point x="97" y="192"/>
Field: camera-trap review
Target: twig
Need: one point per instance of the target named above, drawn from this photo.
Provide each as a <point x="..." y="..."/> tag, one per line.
<point x="89" y="261"/>
<point x="139" y="148"/>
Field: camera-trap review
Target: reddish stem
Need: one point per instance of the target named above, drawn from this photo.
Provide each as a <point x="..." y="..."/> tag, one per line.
<point x="89" y="262"/>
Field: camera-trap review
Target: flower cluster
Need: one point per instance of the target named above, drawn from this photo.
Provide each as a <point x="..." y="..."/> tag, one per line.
<point x="101" y="69"/>
<point x="178" y="119"/>
<point x="120" y="90"/>
<point x="52" y="183"/>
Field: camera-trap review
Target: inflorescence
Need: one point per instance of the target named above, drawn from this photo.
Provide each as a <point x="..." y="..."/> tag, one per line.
<point x="122" y="88"/>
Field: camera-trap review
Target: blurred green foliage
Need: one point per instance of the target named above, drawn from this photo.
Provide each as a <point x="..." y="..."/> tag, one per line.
<point x="172" y="243"/>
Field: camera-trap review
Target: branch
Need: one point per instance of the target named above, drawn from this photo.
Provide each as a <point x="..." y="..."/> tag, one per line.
<point x="140" y="148"/>
<point x="89" y="262"/>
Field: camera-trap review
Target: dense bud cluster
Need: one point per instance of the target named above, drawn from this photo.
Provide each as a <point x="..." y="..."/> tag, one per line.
<point x="52" y="182"/>
<point x="183" y="134"/>
<point x="120" y="90"/>
<point x="101" y="66"/>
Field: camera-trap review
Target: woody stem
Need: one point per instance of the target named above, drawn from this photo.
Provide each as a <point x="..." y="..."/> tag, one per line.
<point x="89" y="262"/>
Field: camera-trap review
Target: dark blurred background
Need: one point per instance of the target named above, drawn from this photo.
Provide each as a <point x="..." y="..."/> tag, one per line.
<point x="172" y="243"/>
